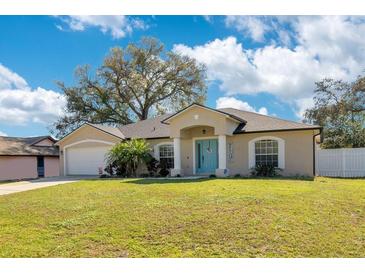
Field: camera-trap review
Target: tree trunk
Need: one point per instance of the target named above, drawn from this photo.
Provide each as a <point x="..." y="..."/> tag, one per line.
<point x="144" y="114"/>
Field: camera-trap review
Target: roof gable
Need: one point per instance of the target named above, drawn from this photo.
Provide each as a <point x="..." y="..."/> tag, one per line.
<point x="114" y="131"/>
<point x="44" y="141"/>
<point x="227" y="115"/>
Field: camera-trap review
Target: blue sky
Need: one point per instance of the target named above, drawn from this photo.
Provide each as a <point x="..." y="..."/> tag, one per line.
<point x="263" y="64"/>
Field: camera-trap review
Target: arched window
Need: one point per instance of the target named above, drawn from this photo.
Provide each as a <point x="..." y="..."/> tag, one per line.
<point x="164" y="152"/>
<point x="267" y="150"/>
<point x="267" y="153"/>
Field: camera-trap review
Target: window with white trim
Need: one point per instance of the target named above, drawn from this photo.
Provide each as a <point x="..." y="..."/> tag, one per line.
<point x="166" y="155"/>
<point x="267" y="153"/>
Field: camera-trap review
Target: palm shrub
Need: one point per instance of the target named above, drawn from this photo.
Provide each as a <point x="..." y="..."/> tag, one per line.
<point x="128" y="155"/>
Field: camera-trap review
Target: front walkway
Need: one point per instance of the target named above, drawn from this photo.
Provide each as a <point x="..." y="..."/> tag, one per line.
<point x="9" y="188"/>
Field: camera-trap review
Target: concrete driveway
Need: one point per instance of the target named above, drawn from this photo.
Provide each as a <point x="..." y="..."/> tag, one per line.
<point x="9" y="188"/>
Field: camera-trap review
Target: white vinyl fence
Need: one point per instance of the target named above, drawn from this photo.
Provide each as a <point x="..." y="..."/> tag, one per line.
<point x="342" y="162"/>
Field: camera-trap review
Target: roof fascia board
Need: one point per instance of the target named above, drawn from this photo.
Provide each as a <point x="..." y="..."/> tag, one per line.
<point x="275" y="130"/>
<point x="28" y="155"/>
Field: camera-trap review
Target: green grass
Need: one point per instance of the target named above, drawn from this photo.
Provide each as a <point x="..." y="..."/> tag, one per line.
<point x="209" y="218"/>
<point x="6" y="182"/>
<point x="13" y="182"/>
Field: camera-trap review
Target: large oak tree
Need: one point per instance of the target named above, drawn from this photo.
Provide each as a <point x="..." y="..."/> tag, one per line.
<point x="133" y="83"/>
<point x="340" y="108"/>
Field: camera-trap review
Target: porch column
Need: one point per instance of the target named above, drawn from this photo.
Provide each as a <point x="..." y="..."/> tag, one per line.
<point x="177" y="157"/>
<point x="222" y="170"/>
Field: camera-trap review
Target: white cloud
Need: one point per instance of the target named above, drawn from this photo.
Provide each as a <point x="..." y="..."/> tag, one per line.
<point x="280" y="71"/>
<point x="3" y="134"/>
<point x="336" y="40"/>
<point x="227" y="62"/>
<point x="9" y="79"/>
<point x="255" y="27"/>
<point x="290" y="74"/>
<point x="302" y="105"/>
<point x="20" y="104"/>
<point x="117" y="25"/>
<point x="231" y="102"/>
<point x="324" y="47"/>
<point x="285" y="38"/>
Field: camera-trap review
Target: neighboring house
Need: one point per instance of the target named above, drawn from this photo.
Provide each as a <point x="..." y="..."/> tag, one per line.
<point x="28" y="158"/>
<point x="199" y="140"/>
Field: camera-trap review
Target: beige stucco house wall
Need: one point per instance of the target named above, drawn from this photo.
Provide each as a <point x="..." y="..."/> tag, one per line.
<point x="298" y="150"/>
<point x="196" y="117"/>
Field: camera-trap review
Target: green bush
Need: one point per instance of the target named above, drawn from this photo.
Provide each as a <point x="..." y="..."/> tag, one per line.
<point x="164" y="171"/>
<point x="263" y="170"/>
<point x="152" y="165"/>
<point x="124" y="158"/>
<point x="109" y="170"/>
<point x="116" y="168"/>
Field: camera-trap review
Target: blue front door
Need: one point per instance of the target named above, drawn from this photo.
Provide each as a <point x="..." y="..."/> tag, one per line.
<point x="206" y="155"/>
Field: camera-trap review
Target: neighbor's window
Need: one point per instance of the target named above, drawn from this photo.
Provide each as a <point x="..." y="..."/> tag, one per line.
<point x="167" y="155"/>
<point x="266" y="152"/>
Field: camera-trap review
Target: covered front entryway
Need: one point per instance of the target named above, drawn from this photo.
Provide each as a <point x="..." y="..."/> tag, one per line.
<point x="203" y="130"/>
<point x="196" y="154"/>
<point x="206" y="156"/>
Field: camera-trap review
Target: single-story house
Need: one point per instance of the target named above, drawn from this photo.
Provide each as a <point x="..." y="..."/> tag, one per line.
<point x="28" y="158"/>
<point x="199" y="140"/>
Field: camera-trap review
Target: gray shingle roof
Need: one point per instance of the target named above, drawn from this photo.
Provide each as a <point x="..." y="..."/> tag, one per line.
<point x="258" y="122"/>
<point x="111" y="130"/>
<point x="150" y="128"/>
<point x="18" y="146"/>
<point x="154" y="128"/>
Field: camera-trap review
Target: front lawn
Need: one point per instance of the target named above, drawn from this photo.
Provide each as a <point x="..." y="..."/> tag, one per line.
<point x="207" y="218"/>
<point x="6" y="182"/>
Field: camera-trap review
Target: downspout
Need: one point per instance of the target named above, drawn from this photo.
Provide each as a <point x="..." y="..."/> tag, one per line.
<point x="314" y="150"/>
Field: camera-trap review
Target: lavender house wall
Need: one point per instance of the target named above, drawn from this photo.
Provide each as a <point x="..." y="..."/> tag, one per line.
<point x="25" y="167"/>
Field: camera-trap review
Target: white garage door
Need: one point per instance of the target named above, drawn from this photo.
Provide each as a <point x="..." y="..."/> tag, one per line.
<point x="86" y="160"/>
